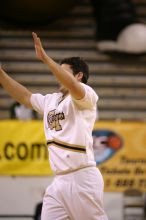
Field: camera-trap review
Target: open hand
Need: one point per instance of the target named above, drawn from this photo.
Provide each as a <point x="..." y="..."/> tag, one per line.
<point x="40" y="52"/>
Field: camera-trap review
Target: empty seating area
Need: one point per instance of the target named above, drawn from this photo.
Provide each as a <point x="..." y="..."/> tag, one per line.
<point x="120" y="81"/>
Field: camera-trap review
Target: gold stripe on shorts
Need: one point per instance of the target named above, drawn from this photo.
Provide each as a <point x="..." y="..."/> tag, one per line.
<point x="67" y="146"/>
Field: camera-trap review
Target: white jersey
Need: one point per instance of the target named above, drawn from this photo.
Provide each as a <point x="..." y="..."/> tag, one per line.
<point x="68" y="126"/>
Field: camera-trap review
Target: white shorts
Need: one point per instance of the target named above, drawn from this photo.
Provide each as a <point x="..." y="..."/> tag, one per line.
<point x="75" y="196"/>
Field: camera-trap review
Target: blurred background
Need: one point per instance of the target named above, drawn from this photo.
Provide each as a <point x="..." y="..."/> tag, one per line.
<point x="111" y="36"/>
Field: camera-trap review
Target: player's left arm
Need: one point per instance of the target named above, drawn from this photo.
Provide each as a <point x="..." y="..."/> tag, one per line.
<point x="66" y="78"/>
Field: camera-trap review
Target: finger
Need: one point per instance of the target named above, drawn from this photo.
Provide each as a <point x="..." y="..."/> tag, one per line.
<point x="35" y="37"/>
<point x="39" y="42"/>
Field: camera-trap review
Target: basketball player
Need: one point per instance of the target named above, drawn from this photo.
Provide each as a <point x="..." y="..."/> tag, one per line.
<point x="69" y="115"/>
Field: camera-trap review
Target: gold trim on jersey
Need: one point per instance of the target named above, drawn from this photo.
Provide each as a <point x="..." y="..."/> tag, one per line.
<point x="74" y="170"/>
<point x="67" y="146"/>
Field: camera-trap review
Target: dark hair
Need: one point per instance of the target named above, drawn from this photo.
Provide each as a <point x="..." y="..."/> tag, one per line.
<point x="77" y="65"/>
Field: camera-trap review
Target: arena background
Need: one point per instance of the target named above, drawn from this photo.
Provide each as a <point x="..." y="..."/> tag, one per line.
<point x="120" y="81"/>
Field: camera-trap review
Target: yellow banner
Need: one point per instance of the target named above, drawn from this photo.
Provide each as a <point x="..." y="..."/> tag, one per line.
<point x="125" y="166"/>
<point x="22" y="148"/>
<point x="119" y="147"/>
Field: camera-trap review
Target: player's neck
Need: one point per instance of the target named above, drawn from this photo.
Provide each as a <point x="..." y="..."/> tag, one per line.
<point x="64" y="91"/>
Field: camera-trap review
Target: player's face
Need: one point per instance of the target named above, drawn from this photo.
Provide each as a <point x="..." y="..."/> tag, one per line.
<point x="67" y="68"/>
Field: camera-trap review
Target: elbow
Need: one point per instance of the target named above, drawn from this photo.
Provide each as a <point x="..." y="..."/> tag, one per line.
<point x="27" y="101"/>
<point x="77" y="91"/>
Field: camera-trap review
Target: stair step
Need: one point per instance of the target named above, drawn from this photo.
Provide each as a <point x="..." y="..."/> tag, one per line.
<point x="122" y="115"/>
<point x="70" y="32"/>
<point x="96" y="68"/>
<point x="103" y="92"/>
<point x="94" y="80"/>
<point x="106" y="103"/>
<point x="27" y="43"/>
<point x="88" y="53"/>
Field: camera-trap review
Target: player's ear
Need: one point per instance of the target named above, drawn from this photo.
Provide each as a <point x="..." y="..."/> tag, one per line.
<point x="79" y="76"/>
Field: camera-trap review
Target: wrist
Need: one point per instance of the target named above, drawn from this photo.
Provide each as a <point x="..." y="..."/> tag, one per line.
<point x="47" y="60"/>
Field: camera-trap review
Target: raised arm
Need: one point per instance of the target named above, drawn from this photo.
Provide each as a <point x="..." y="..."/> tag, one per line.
<point x="63" y="76"/>
<point x="15" y="89"/>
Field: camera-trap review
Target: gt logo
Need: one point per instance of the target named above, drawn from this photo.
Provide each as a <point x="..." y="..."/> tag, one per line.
<point x="54" y="120"/>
